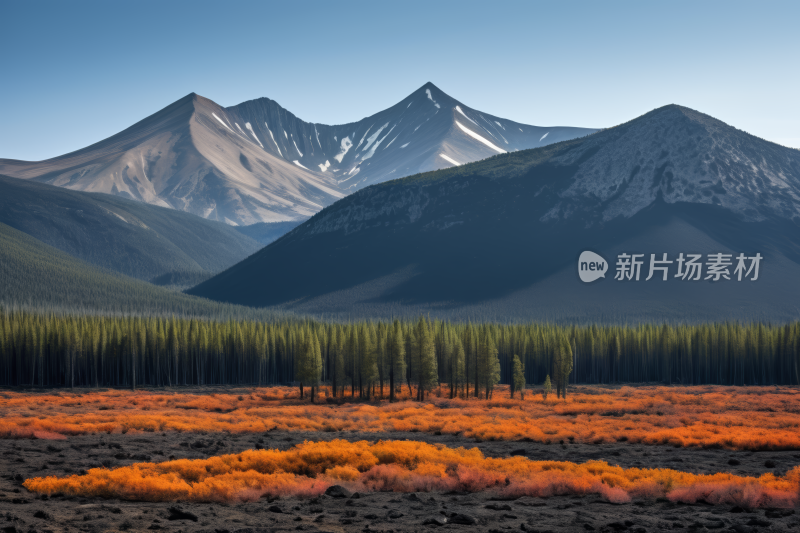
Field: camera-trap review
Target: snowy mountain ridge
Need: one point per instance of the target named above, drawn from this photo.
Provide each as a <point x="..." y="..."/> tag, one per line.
<point x="257" y="162"/>
<point x="429" y="131"/>
<point x="681" y="155"/>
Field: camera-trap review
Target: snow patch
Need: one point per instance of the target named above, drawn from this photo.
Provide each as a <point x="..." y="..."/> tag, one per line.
<point x="449" y="159"/>
<point x="373" y="137"/>
<point x="479" y="138"/>
<point x="499" y="124"/>
<point x="543" y="136"/>
<point x="431" y="99"/>
<point x="378" y="143"/>
<point x="458" y="108"/>
<point x="415" y="129"/>
<point x="406" y="144"/>
<point x="284" y="134"/>
<point x="486" y="129"/>
<point x="118" y="216"/>
<point x="324" y="167"/>
<point x="273" y="139"/>
<point x="296" y="148"/>
<point x="250" y="127"/>
<point x="362" y="138"/>
<point x="221" y="122"/>
<point x="143" y="169"/>
<point x="521" y="130"/>
<point x="296" y="162"/>
<point x="354" y="169"/>
<point x="393" y="140"/>
<point x="346" y="145"/>
<point x="409" y="105"/>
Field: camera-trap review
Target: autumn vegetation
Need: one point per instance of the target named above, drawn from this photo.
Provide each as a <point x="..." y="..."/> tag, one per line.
<point x="750" y="418"/>
<point x="409" y="466"/>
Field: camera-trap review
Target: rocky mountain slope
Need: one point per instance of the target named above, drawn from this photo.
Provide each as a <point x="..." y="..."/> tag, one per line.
<point x="257" y="162"/>
<point x="500" y="238"/>
<point x="186" y="158"/>
<point x="132" y="238"/>
<point x="428" y="130"/>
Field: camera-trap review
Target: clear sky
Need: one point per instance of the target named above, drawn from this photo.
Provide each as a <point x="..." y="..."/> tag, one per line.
<point x="76" y="72"/>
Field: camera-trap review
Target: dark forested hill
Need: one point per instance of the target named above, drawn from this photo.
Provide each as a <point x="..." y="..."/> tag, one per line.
<point x="501" y="238"/>
<point x="133" y="238"/>
<point x="268" y="232"/>
<point x="37" y="276"/>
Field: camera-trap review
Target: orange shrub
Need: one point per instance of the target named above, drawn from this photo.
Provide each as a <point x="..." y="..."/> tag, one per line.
<point x="751" y="418"/>
<point x="402" y="466"/>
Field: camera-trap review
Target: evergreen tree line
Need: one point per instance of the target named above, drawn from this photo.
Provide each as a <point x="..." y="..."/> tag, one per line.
<point x="376" y="359"/>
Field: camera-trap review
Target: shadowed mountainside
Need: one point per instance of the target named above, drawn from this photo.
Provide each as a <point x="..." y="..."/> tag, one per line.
<point x="132" y="238"/>
<point x="500" y="238"/>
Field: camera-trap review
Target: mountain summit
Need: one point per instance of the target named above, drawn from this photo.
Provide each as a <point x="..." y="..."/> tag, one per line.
<point x="683" y="156"/>
<point x="257" y="162"/>
<point x="426" y="131"/>
<point x="501" y="238"/>
<point x="188" y="156"/>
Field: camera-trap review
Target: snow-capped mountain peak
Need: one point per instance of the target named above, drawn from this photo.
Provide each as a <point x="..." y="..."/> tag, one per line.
<point x="258" y="162"/>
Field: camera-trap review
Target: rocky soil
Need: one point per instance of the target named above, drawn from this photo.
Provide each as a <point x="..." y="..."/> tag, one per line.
<point x="21" y="511"/>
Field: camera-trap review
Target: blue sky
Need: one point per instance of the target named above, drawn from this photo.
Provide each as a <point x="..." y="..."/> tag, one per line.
<point x="77" y="72"/>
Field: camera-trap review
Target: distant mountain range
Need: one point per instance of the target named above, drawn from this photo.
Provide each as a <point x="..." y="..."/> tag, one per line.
<point x="143" y="241"/>
<point x="257" y="162"/>
<point x="500" y="238"/>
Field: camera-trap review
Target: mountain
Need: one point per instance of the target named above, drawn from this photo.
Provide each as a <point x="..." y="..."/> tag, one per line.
<point x="132" y="238"/>
<point x="267" y="232"/>
<point x="186" y="158"/>
<point x="39" y="277"/>
<point x="428" y="130"/>
<point x="257" y="162"/>
<point x="500" y="238"/>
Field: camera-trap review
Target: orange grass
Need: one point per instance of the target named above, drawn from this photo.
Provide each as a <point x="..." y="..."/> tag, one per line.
<point x="409" y="466"/>
<point x="743" y="418"/>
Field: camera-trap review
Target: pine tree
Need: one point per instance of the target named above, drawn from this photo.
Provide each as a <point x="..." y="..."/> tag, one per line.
<point x="309" y="362"/>
<point x="459" y="369"/>
<point x="396" y="355"/>
<point x="488" y="364"/>
<point x="368" y="361"/>
<point x="314" y="366"/>
<point x="352" y="354"/>
<point x="547" y="387"/>
<point x="562" y="365"/>
<point x="424" y="359"/>
<point x="518" y="383"/>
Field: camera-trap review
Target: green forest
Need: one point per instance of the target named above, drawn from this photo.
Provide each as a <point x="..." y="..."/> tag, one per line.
<point x="369" y="359"/>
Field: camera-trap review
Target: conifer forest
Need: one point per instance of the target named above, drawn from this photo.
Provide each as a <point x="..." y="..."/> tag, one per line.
<point x="371" y="359"/>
